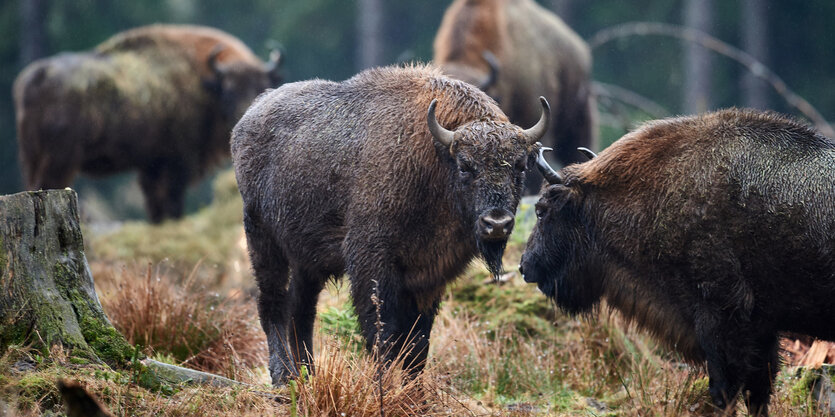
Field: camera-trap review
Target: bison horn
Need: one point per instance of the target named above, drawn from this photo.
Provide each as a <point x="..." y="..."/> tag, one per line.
<point x="587" y="152"/>
<point x="535" y="133"/>
<point x="442" y="135"/>
<point x="274" y="63"/>
<point x="493" y="63"/>
<point x="553" y="177"/>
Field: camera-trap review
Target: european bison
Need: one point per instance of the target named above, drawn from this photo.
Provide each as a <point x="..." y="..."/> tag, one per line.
<point x="516" y="50"/>
<point x="159" y="99"/>
<point x="715" y="233"/>
<point x="355" y="177"/>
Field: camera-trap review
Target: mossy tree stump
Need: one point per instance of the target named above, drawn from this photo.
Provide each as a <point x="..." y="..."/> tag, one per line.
<point x="48" y="296"/>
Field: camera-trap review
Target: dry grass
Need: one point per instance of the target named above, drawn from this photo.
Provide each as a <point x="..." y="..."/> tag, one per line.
<point x="176" y="320"/>
<point x="495" y="351"/>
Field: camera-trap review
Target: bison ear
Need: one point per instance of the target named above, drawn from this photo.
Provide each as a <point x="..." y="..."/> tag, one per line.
<point x="557" y="196"/>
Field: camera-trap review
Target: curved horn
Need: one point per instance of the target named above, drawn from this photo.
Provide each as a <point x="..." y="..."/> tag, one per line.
<point x="535" y="133"/>
<point x="587" y="152"/>
<point x="493" y="63"/>
<point x="553" y="177"/>
<point x="274" y="63"/>
<point x="442" y="135"/>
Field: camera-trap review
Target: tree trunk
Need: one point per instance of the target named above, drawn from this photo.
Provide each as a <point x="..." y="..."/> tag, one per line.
<point x="48" y="297"/>
<point x="32" y="33"/>
<point x="755" y="42"/>
<point x="698" y="14"/>
<point x="369" y="33"/>
<point x="48" y="294"/>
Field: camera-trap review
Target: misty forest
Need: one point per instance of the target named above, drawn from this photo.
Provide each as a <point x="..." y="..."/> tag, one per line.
<point x="681" y="263"/>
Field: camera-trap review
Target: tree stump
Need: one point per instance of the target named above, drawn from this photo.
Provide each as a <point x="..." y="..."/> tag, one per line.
<point x="48" y="296"/>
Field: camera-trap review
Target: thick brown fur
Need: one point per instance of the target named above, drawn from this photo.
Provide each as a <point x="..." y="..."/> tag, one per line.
<point x="538" y="55"/>
<point x="147" y="99"/>
<point x="346" y="178"/>
<point x="715" y="233"/>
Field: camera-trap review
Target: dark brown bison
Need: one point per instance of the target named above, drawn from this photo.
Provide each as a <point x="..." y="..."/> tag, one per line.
<point x="516" y="50"/>
<point x="159" y="99"/>
<point x="715" y="233"/>
<point x="354" y="177"/>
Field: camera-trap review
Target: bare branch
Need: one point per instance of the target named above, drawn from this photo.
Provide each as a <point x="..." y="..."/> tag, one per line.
<point x="631" y="98"/>
<point x="753" y="65"/>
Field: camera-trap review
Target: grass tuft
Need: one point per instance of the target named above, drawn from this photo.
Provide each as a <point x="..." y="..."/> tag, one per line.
<point x="183" y="323"/>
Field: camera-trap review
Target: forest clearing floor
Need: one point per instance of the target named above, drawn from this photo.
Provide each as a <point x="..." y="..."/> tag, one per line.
<point x="496" y="348"/>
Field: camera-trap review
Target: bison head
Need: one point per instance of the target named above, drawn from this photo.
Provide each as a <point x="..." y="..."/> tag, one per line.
<point x="237" y="83"/>
<point x="488" y="161"/>
<point x="560" y="256"/>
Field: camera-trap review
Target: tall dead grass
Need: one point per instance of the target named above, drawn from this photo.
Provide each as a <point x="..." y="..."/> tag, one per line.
<point x="176" y="320"/>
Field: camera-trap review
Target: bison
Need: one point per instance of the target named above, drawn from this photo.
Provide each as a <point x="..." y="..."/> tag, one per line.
<point x="159" y="99"/>
<point x="365" y="177"/>
<point x="516" y="50"/>
<point x="714" y="233"/>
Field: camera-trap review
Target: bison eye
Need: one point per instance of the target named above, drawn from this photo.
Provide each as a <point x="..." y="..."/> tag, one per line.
<point x="521" y="165"/>
<point x="465" y="168"/>
<point x="540" y="211"/>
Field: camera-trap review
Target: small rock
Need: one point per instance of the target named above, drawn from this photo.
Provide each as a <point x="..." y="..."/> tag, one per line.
<point x="23" y="366"/>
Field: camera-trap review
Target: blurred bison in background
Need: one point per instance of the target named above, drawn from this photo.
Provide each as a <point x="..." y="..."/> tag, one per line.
<point x="715" y="233"/>
<point x="159" y="99"/>
<point x="355" y="177"/>
<point x="515" y="50"/>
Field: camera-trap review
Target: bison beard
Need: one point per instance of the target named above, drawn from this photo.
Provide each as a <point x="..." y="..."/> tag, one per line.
<point x="491" y="252"/>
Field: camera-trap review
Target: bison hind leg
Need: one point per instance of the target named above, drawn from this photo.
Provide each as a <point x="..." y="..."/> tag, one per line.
<point x="271" y="269"/>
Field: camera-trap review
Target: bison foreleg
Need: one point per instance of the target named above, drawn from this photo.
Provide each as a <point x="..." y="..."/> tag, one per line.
<point x="164" y="185"/>
<point x="392" y="322"/>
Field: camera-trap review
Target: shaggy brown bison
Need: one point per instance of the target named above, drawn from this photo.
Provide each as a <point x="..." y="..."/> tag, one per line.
<point x="159" y="99"/>
<point x="715" y="233"/>
<point x="516" y="50"/>
<point x="356" y="177"/>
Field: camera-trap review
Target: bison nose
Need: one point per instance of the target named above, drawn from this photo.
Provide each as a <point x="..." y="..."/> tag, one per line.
<point x="496" y="226"/>
<point x="522" y="269"/>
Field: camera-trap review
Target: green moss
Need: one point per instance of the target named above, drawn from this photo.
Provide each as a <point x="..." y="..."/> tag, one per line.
<point x="107" y="343"/>
<point x="37" y="390"/>
<point x="801" y="390"/>
<point x="79" y="361"/>
<point x="498" y="305"/>
<point x="101" y="341"/>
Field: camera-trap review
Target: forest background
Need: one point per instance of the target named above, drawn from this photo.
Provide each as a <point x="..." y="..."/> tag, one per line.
<point x="333" y="39"/>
